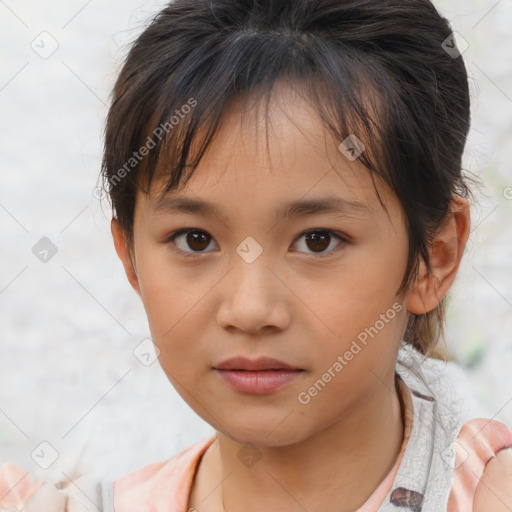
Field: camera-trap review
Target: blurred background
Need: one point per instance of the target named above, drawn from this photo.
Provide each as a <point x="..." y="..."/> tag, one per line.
<point x="78" y="377"/>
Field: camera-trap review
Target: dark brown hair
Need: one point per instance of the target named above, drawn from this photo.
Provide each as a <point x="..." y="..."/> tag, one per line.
<point x="378" y="69"/>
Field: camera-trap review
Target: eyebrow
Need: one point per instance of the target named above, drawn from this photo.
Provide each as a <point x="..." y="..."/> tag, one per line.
<point x="300" y="208"/>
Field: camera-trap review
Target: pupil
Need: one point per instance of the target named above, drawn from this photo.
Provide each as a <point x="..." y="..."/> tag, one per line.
<point x="195" y="237"/>
<point x="319" y="240"/>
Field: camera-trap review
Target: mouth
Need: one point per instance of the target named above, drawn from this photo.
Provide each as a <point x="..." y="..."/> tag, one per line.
<point x="259" y="371"/>
<point x="263" y="364"/>
<point x="259" y="382"/>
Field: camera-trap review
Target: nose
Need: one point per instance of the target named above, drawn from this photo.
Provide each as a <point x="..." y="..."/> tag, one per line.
<point x="254" y="298"/>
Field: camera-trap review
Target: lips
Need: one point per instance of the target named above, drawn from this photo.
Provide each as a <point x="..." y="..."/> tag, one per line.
<point x="261" y="376"/>
<point x="261" y="364"/>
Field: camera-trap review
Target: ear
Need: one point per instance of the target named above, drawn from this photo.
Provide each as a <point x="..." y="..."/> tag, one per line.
<point x="445" y="255"/>
<point x="124" y="254"/>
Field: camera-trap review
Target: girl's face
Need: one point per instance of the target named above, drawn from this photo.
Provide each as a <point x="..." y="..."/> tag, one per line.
<point x="252" y="282"/>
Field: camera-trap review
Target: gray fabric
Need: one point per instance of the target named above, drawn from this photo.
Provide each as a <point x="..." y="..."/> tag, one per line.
<point x="91" y="494"/>
<point x="85" y="494"/>
<point x="424" y="478"/>
<point x="108" y="495"/>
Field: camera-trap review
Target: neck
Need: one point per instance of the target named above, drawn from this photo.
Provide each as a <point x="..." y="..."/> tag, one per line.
<point x="337" y="469"/>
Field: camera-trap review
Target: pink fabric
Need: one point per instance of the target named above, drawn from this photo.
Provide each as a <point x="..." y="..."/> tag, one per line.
<point x="160" y="486"/>
<point x="16" y="486"/>
<point x="165" y="486"/>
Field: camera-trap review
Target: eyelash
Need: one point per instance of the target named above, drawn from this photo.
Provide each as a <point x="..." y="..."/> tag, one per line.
<point x="170" y="240"/>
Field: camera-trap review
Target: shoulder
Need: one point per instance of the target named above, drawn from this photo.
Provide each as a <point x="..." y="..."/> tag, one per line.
<point x="160" y="484"/>
<point x="175" y="466"/>
<point x="494" y="491"/>
<point x="483" y="467"/>
<point x="19" y="488"/>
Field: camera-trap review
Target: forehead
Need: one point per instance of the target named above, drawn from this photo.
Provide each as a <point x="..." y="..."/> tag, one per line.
<point x="283" y="156"/>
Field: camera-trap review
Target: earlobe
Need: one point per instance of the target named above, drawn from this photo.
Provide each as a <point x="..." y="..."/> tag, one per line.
<point x="123" y="252"/>
<point x="446" y="254"/>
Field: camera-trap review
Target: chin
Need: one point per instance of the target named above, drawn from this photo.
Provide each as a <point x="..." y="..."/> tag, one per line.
<point x="266" y="434"/>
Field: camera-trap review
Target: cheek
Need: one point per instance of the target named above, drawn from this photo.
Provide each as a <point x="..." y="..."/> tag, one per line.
<point x="165" y="295"/>
<point x="176" y="307"/>
<point x="370" y="286"/>
<point x="360" y="314"/>
<point x="354" y="295"/>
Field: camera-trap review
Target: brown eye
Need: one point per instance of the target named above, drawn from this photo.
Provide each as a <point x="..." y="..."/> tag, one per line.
<point x="190" y="241"/>
<point x="197" y="240"/>
<point x="318" y="240"/>
<point x="194" y="242"/>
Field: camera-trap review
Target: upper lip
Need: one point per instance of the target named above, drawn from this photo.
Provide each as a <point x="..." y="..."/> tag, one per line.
<point x="262" y="363"/>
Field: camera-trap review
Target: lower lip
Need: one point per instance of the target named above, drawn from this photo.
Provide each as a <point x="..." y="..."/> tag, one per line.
<point x="258" y="382"/>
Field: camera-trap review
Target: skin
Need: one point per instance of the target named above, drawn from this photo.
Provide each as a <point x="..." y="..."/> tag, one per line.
<point x="494" y="491"/>
<point x="290" y="303"/>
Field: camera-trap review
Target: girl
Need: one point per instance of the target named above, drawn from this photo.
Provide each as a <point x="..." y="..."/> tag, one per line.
<point x="295" y="289"/>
